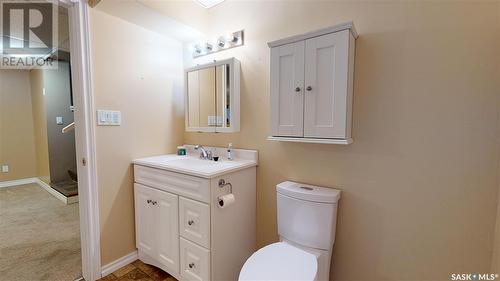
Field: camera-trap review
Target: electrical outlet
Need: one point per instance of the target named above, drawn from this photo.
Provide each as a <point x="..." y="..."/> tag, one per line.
<point x="5" y="168"/>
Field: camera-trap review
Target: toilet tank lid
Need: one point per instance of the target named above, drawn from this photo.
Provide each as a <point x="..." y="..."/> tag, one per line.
<point x="309" y="192"/>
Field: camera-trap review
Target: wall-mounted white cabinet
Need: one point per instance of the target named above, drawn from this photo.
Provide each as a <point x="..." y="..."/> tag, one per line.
<point x="312" y="85"/>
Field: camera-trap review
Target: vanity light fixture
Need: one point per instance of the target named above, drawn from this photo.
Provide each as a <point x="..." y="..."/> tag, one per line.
<point x="229" y="41"/>
<point x="197" y="49"/>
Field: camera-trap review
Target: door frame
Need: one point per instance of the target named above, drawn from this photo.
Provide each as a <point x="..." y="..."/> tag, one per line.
<point x="85" y="137"/>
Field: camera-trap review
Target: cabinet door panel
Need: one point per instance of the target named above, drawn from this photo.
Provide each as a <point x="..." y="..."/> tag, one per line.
<point x="287" y="93"/>
<point x="326" y="73"/>
<point x="167" y="229"/>
<point x="144" y="219"/>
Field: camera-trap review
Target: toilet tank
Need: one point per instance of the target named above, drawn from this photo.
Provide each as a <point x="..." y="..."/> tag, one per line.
<point x="307" y="214"/>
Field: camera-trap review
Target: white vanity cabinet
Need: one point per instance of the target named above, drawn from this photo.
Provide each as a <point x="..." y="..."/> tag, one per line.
<point x="312" y="86"/>
<point x="180" y="227"/>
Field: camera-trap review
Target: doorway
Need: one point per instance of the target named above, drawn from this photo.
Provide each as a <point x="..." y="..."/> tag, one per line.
<point x="83" y="171"/>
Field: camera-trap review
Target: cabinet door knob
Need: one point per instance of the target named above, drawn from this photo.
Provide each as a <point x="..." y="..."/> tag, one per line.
<point x="191" y="265"/>
<point x="190" y="222"/>
<point x="297" y="89"/>
<point x="309" y="88"/>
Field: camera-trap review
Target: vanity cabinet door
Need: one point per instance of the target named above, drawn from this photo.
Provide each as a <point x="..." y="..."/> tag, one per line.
<point x="166" y="229"/>
<point x="144" y="219"/>
<point x="326" y="86"/>
<point x="287" y="93"/>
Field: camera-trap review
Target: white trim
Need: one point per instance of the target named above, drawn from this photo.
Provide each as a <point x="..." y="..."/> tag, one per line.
<point x="72" y="200"/>
<point x="42" y="184"/>
<point x="17" y="182"/>
<point x="308" y="35"/>
<point x="311" y="140"/>
<point x="85" y="140"/>
<point x="119" y="263"/>
<point x="52" y="191"/>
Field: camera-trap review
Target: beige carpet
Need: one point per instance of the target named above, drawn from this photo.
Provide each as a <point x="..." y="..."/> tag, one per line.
<point x="39" y="236"/>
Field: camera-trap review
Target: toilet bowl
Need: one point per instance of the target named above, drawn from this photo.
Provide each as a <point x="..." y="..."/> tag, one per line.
<point x="280" y="261"/>
<point x="307" y="218"/>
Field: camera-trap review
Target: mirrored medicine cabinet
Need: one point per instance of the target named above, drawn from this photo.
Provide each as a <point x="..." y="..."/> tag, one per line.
<point x="212" y="98"/>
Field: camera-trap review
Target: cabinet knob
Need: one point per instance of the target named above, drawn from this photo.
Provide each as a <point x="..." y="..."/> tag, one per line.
<point x="297" y="89"/>
<point x="154" y="202"/>
<point x="309" y="88"/>
<point x="190" y="222"/>
<point x="149" y="201"/>
<point x="191" y="265"/>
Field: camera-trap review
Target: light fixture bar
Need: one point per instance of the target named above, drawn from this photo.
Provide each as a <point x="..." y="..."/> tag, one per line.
<point x="232" y="40"/>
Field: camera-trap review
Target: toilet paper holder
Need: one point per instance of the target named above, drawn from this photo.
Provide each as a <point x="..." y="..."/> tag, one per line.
<point x="223" y="183"/>
<point x="228" y="199"/>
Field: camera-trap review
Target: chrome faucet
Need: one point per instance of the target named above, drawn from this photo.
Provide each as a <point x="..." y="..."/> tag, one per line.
<point x="204" y="154"/>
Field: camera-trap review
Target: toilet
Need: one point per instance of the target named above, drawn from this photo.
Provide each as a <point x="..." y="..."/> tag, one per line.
<point x="307" y="217"/>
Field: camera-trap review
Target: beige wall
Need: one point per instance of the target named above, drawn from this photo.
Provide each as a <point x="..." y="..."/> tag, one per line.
<point x="40" y="125"/>
<point x="139" y="73"/>
<point x="495" y="266"/>
<point x="16" y="125"/>
<point x="420" y="181"/>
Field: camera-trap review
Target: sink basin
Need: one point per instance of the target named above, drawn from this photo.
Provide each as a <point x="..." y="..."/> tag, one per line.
<point x="193" y="165"/>
<point x="192" y="162"/>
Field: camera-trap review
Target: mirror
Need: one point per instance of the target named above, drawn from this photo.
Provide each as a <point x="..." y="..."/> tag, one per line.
<point x="212" y="97"/>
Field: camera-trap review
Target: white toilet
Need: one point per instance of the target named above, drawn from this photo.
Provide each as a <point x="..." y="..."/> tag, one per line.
<point x="307" y="217"/>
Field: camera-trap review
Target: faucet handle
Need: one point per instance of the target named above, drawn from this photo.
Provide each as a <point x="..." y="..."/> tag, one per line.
<point x="209" y="155"/>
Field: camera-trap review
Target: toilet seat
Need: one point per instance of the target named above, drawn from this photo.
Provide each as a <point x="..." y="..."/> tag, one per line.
<point x="280" y="261"/>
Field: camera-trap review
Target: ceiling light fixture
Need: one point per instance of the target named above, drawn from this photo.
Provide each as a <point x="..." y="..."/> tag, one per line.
<point x="207" y="4"/>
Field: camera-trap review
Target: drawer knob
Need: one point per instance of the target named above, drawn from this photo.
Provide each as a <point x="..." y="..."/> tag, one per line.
<point x="154" y="202"/>
<point x="190" y="222"/>
<point x="297" y="89"/>
<point x="149" y="201"/>
<point x="191" y="265"/>
<point x="309" y="88"/>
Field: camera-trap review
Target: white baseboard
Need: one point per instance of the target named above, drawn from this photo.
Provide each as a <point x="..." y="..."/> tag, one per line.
<point x="42" y="184"/>
<point x="17" y="182"/>
<point x="119" y="263"/>
<point x="50" y="190"/>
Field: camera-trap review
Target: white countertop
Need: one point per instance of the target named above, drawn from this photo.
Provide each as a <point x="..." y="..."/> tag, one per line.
<point x="191" y="164"/>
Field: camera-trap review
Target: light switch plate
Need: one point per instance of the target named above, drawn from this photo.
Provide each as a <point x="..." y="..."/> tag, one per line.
<point x="59" y="120"/>
<point x="109" y="118"/>
<point x="5" y="168"/>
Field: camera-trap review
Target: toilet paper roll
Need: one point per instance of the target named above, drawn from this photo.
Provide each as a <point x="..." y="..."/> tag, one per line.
<point x="226" y="200"/>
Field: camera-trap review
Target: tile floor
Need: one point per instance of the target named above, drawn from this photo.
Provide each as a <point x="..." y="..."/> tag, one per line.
<point x="139" y="271"/>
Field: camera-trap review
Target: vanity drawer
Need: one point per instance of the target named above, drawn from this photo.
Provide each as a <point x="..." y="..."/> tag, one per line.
<point x="184" y="185"/>
<point x="194" y="221"/>
<point x="195" y="261"/>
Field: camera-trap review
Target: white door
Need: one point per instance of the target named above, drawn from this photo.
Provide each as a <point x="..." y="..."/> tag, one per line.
<point x="287" y="93"/>
<point x="326" y="76"/>
<point x="144" y="219"/>
<point x="166" y="229"/>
